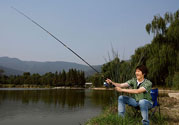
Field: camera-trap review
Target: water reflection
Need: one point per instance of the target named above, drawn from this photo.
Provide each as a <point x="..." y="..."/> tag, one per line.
<point x="59" y="97"/>
<point x="103" y="97"/>
<point x="71" y="98"/>
<point x="51" y="106"/>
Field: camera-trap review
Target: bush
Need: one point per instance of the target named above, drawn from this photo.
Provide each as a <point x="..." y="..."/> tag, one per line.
<point x="176" y="80"/>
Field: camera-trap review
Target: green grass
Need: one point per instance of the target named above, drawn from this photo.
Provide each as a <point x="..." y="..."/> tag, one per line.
<point x="113" y="119"/>
<point x="110" y="117"/>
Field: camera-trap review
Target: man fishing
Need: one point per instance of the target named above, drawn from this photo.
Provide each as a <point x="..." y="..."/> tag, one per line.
<point x="140" y="87"/>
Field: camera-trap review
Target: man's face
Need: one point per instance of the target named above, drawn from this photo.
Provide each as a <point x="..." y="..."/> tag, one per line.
<point x="139" y="74"/>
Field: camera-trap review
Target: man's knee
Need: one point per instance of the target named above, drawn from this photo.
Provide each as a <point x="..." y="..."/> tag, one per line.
<point x="142" y="103"/>
<point x="121" y="97"/>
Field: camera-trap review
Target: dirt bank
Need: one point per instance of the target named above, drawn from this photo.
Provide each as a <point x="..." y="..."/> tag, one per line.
<point x="170" y="105"/>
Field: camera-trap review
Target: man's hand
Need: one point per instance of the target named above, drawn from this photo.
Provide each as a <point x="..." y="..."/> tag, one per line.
<point x="118" y="89"/>
<point x="108" y="81"/>
<point x="121" y="85"/>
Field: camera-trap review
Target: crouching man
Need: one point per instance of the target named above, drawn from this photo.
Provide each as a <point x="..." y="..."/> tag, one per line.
<point x="140" y="87"/>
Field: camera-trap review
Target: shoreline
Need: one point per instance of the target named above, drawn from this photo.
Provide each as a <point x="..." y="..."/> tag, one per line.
<point x="95" y="88"/>
<point x="51" y="87"/>
<point x="161" y="90"/>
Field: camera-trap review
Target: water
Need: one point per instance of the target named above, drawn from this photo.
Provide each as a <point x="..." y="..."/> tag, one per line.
<point x="51" y="106"/>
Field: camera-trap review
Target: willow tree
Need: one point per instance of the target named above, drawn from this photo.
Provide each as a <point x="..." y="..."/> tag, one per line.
<point x="161" y="56"/>
<point x="164" y="49"/>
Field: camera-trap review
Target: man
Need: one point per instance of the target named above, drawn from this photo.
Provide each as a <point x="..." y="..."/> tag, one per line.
<point x="140" y="88"/>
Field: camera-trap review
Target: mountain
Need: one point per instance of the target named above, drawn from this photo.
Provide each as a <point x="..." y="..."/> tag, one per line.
<point x="9" y="71"/>
<point x="13" y="66"/>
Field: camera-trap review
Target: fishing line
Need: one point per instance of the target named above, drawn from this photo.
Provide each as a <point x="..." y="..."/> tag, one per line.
<point x="55" y="38"/>
<point x="105" y="84"/>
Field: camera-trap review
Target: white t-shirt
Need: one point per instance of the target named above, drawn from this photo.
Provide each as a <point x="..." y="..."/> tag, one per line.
<point x="138" y="83"/>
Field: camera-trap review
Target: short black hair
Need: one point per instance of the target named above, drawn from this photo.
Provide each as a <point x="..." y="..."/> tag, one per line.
<point x="143" y="69"/>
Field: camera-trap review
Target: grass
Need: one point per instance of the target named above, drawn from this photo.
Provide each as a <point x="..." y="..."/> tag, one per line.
<point x="110" y="117"/>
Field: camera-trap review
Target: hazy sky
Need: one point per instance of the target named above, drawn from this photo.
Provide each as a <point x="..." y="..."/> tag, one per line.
<point x="89" y="27"/>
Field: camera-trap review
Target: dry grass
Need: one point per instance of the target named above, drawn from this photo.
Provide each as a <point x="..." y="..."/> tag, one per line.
<point x="170" y="108"/>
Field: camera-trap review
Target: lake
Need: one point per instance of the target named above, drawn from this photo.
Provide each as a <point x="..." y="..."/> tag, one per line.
<point x="51" y="106"/>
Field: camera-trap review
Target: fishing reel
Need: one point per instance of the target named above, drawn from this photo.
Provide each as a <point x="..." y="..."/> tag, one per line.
<point x="108" y="85"/>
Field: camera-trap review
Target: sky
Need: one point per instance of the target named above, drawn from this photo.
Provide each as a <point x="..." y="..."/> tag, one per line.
<point x="89" y="27"/>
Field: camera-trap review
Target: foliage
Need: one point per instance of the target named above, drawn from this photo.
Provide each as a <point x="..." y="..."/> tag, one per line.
<point x="97" y="80"/>
<point x="111" y="69"/>
<point x="162" y="52"/>
<point x="161" y="57"/>
<point x="176" y="81"/>
<point x="71" y="78"/>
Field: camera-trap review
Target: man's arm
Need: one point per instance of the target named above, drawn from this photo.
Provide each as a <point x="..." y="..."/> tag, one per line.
<point x="121" y="85"/>
<point x="133" y="91"/>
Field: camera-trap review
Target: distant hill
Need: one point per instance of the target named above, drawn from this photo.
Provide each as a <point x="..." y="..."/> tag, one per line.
<point x="9" y="71"/>
<point x="14" y="66"/>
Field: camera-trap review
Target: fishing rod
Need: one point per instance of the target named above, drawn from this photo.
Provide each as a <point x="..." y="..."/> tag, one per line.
<point x="55" y="38"/>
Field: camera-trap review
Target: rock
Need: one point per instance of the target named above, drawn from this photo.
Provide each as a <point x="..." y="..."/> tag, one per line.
<point x="175" y="95"/>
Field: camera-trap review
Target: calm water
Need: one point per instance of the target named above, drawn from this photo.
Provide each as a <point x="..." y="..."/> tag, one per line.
<point x="51" y="106"/>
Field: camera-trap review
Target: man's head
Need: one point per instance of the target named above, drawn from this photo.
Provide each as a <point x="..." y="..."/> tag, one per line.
<point x="141" y="71"/>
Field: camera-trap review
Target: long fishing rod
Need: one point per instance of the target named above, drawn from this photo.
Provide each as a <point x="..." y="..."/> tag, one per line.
<point x="54" y="38"/>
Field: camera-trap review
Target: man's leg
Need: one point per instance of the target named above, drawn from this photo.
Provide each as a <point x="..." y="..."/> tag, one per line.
<point x="122" y="100"/>
<point x="144" y="106"/>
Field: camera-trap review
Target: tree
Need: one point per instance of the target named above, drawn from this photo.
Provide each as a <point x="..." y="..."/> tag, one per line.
<point x="35" y="79"/>
<point x="63" y="78"/>
<point x="111" y="69"/>
<point x="97" y="80"/>
<point x="81" y="78"/>
<point x="1" y="72"/>
<point x="27" y="78"/>
<point x="161" y="56"/>
<point x="164" y="48"/>
<point x="55" y="79"/>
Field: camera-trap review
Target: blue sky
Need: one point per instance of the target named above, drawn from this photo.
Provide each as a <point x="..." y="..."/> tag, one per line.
<point x="89" y="27"/>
